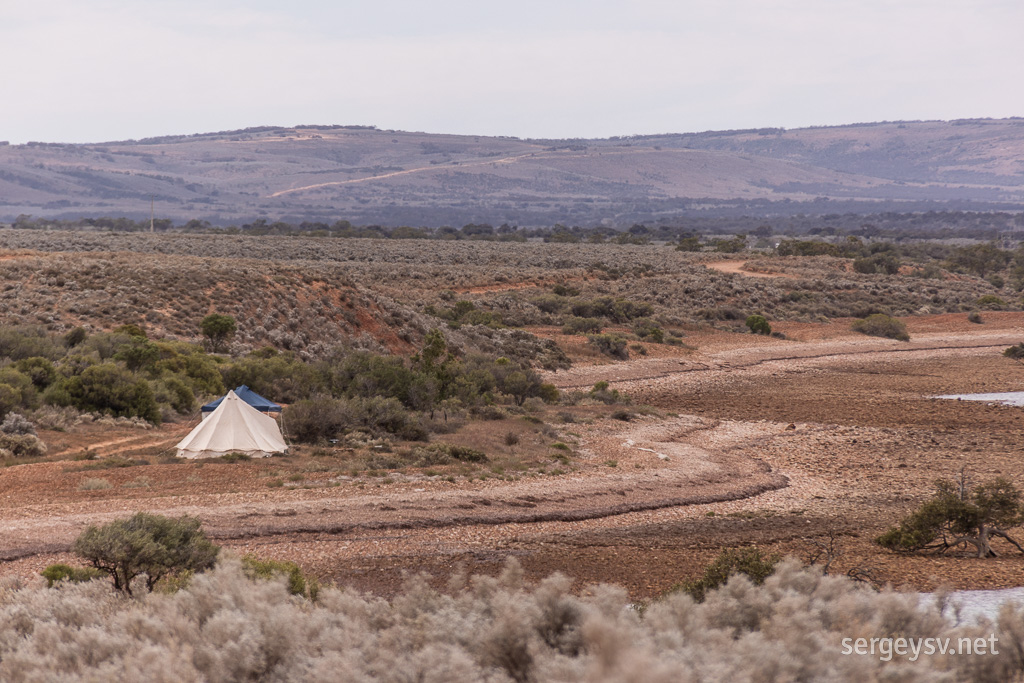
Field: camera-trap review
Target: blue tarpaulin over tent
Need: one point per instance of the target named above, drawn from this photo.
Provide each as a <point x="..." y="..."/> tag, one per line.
<point x="249" y="396"/>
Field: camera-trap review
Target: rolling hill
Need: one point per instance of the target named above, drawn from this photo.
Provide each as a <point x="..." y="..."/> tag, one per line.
<point x="365" y="175"/>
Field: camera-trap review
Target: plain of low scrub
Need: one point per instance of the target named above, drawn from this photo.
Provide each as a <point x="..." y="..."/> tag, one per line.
<point x="881" y="325"/>
<point x="226" y="625"/>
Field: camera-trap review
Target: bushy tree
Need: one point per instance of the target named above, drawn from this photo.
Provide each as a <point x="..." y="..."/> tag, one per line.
<point x="758" y="324"/>
<point x="38" y="369"/>
<point x="218" y="330"/>
<point x="979" y="259"/>
<point x="107" y="388"/>
<point x="138" y="353"/>
<point x="958" y="516"/>
<point x="145" y="544"/>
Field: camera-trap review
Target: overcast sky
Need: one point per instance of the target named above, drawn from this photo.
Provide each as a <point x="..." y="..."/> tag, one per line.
<point x="96" y="70"/>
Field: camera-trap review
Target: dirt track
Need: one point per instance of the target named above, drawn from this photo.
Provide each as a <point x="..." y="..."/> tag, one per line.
<point x="756" y="440"/>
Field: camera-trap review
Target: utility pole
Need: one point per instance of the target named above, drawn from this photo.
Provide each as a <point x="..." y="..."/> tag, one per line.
<point x="152" y="213"/>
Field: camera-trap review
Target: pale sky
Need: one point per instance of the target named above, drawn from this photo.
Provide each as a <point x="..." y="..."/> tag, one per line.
<point x="100" y="70"/>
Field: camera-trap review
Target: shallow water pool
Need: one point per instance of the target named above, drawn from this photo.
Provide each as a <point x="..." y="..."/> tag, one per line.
<point x="1008" y="398"/>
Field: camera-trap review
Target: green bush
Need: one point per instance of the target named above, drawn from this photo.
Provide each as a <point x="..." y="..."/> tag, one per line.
<point x="601" y="392"/>
<point x="39" y="370"/>
<point x="647" y="329"/>
<point x="75" y="336"/>
<point x="688" y="244"/>
<point x="17" y="343"/>
<point x="106" y="388"/>
<point x="576" y="325"/>
<point x="461" y="453"/>
<point x="316" y="420"/>
<point x="146" y="544"/>
<point x="806" y="248"/>
<point x="618" y="310"/>
<point x="758" y="324"/>
<point x="1016" y="352"/>
<point x="56" y="573"/>
<point x="749" y="561"/>
<point x="991" y="302"/>
<point x="138" y="353"/>
<point x="610" y="344"/>
<point x="175" y="393"/>
<point x="282" y="376"/>
<point x="881" y="325"/>
<point x="191" y="365"/>
<point x="885" y="262"/>
<point x="16" y="390"/>
<point x="298" y="583"/>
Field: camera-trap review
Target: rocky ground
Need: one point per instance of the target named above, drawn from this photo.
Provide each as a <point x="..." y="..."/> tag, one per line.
<point x="824" y="436"/>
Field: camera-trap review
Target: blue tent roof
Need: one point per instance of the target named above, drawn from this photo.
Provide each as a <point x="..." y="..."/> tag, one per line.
<point x="249" y="396"/>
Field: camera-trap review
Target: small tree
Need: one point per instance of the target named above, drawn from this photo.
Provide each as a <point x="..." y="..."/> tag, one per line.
<point x="752" y="562"/>
<point x="959" y="516"/>
<point x="218" y="329"/>
<point x="758" y="324"/>
<point x="146" y="544"/>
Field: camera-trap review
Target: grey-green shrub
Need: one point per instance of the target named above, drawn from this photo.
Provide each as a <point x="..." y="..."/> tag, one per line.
<point x="577" y="325"/>
<point x="881" y="325"/>
<point x="610" y="345"/>
<point x="225" y="626"/>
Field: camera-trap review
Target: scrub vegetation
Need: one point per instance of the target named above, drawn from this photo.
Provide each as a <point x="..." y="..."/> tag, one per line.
<point x="251" y="620"/>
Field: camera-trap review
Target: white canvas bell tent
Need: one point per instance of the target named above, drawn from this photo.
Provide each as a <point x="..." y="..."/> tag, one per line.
<point x="234" y="427"/>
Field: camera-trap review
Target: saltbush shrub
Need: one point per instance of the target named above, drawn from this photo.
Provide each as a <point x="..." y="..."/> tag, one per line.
<point x="21" y="446"/>
<point x="648" y="330"/>
<point x="610" y="344"/>
<point x="226" y="626"/>
<point x="576" y="325"/>
<point x="881" y="325"/>
<point x="16" y="423"/>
